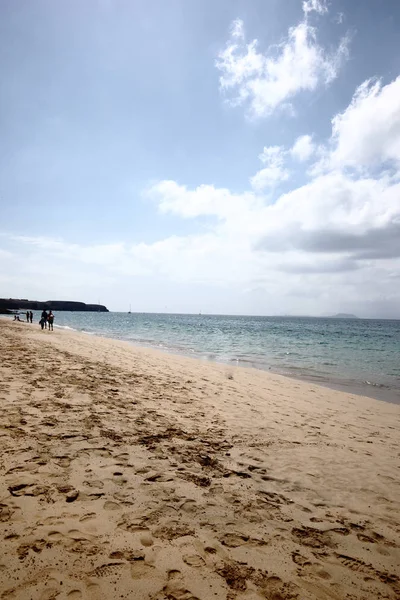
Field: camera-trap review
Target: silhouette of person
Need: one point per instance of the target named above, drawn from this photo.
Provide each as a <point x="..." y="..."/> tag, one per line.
<point x="43" y="319"/>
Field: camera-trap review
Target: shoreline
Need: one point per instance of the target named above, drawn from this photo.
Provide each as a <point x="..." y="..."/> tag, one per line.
<point x="372" y="390"/>
<point x="359" y="388"/>
<point x="128" y="472"/>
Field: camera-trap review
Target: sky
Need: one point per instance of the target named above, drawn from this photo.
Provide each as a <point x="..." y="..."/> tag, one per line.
<point x="227" y="157"/>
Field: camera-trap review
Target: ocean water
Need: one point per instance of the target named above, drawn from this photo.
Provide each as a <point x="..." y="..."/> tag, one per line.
<point x="358" y="355"/>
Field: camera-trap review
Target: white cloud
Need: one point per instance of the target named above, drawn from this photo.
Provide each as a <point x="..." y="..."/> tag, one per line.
<point x="332" y="236"/>
<point x="237" y="29"/>
<point x="205" y="200"/>
<point x="319" y="6"/>
<point x="303" y="148"/>
<point x="100" y="254"/>
<point x="322" y="230"/>
<point x="339" y="18"/>
<point x="367" y="133"/>
<point x="337" y="234"/>
<point x="266" y="81"/>
<point x="273" y="157"/>
<point x="338" y="216"/>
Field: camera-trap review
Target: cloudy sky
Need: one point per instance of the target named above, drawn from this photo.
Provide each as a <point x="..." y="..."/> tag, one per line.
<point x="229" y="157"/>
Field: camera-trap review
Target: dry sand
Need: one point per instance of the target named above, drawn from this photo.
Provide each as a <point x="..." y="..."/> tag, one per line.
<point x="127" y="473"/>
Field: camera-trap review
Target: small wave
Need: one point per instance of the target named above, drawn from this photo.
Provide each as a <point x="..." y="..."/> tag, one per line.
<point x="378" y="385"/>
<point x="68" y="328"/>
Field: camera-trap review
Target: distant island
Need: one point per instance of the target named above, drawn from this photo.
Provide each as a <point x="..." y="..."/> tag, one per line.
<point x="343" y="316"/>
<point x="9" y="305"/>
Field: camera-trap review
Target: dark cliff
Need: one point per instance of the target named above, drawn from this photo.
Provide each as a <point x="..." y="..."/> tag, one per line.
<point x="7" y="304"/>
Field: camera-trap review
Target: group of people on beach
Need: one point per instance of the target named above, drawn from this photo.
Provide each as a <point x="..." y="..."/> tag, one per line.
<point x="29" y="317"/>
<point x="47" y="319"/>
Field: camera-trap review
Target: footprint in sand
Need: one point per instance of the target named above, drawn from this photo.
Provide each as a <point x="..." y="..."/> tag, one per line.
<point x="49" y="594"/>
<point x="36" y="546"/>
<point x="146" y="539"/>
<point x="101" y="452"/>
<point x="119" y="478"/>
<point x="74" y="595"/>
<point x="193" y="560"/>
<point x="106" y="570"/>
<point x="109" y="505"/>
<point x="175" y="587"/>
<point x="234" y="540"/>
<point x="53" y="521"/>
<point x="75" y="534"/>
<point x="188" y="506"/>
<point x="55" y="535"/>
<point x="129" y="555"/>
<point x="94" y="483"/>
<point x="63" y="461"/>
<point x="88" y="517"/>
<point x="306" y="568"/>
<point x="122" y="458"/>
<point x="314" y="538"/>
<point x="140" y="570"/>
<point x="93" y="591"/>
<point x="134" y="526"/>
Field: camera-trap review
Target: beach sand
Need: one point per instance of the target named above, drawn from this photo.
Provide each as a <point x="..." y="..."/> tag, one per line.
<point x="128" y="473"/>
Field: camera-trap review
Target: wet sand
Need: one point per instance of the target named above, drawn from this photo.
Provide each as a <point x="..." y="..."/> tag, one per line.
<point x="128" y="473"/>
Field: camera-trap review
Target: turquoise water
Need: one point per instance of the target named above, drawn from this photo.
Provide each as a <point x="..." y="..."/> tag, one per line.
<point x="356" y="354"/>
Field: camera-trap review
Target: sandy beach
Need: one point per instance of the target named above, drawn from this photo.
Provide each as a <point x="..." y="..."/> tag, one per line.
<point x="128" y="473"/>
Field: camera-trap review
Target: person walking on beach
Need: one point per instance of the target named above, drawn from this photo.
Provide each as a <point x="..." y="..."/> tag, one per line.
<point x="50" y="319"/>
<point x="31" y="316"/>
<point x="27" y="316"/>
<point x="43" y="319"/>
